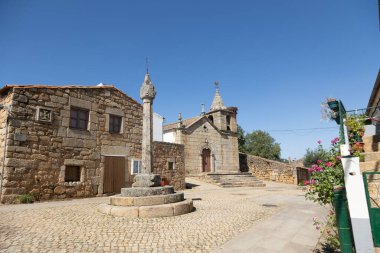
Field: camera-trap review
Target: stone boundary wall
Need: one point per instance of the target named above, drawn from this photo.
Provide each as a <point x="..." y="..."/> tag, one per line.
<point x="165" y="152"/>
<point x="266" y="169"/>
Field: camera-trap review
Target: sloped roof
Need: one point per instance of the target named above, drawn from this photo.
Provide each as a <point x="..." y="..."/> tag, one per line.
<point x="186" y="123"/>
<point x="45" y="86"/>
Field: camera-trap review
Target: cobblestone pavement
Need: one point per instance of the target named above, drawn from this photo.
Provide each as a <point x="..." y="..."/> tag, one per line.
<point x="76" y="226"/>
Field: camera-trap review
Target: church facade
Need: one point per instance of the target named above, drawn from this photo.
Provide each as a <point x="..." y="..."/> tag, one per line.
<point x="210" y="139"/>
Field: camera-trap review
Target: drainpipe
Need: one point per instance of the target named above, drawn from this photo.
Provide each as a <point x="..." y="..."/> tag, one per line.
<point x="5" y="147"/>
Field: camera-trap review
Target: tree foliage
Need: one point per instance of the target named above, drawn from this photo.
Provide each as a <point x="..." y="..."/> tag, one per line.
<point x="312" y="156"/>
<point x="241" y="139"/>
<point x="259" y="143"/>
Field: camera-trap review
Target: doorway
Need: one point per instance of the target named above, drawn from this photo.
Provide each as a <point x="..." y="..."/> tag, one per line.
<point x="114" y="174"/>
<point x="206" y="161"/>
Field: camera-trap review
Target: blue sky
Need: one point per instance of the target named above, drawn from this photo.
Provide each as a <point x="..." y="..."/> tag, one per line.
<point x="275" y="60"/>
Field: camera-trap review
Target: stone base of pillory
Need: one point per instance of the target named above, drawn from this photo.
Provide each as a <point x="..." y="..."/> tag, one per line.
<point x="148" y="211"/>
<point x="147" y="202"/>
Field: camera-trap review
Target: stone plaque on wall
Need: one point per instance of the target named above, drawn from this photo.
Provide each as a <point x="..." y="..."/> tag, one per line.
<point x="44" y="115"/>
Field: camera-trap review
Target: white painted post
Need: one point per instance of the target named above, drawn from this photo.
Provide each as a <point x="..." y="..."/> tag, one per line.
<point x="357" y="203"/>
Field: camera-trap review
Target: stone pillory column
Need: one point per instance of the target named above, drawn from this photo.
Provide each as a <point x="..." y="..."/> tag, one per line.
<point x="146" y="198"/>
<point x="146" y="178"/>
<point x="147" y="94"/>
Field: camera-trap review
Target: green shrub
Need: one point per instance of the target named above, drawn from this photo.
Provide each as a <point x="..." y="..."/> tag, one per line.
<point x="25" y="198"/>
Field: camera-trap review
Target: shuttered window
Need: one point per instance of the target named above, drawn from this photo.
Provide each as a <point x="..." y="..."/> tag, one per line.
<point x="115" y="124"/>
<point x="78" y="118"/>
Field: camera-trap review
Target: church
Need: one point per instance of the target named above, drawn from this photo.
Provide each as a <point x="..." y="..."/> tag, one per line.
<point x="210" y="139"/>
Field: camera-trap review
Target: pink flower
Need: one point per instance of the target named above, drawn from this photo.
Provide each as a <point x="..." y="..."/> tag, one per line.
<point x="335" y="141"/>
<point x="307" y="182"/>
<point x="319" y="161"/>
<point x="319" y="142"/>
<point x="329" y="164"/>
<point x="338" y="157"/>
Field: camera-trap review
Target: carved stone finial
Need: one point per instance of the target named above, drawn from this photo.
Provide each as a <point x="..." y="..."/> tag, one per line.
<point x="147" y="90"/>
<point x="216" y="85"/>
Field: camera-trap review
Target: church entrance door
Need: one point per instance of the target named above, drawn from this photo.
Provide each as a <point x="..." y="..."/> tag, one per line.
<point x="206" y="161"/>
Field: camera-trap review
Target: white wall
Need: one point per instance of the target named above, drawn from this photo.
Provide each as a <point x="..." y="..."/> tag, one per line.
<point x="169" y="137"/>
<point x="158" y="120"/>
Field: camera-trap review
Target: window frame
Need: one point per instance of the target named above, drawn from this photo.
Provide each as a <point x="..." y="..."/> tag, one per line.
<point x="77" y="119"/>
<point x="132" y="166"/>
<point x="173" y="167"/>
<point x="111" y="124"/>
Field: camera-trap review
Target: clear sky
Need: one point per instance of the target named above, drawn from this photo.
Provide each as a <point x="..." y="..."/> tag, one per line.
<point x="275" y="60"/>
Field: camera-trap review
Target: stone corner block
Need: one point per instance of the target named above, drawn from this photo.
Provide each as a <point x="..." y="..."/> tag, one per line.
<point x="147" y="180"/>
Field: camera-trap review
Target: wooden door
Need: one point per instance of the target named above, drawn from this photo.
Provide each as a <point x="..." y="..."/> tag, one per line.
<point x="206" y="161"/>
<point x="114" y="174"/>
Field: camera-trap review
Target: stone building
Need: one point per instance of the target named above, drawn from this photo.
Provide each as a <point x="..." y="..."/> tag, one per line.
<point x="210" y="140"/>
<point x="75" y="141"/>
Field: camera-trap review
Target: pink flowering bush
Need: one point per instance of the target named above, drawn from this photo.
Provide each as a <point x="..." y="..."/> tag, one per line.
<point x="325" y="174"/>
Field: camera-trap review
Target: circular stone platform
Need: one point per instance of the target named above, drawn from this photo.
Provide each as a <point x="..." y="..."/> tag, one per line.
<point x="155" y="211"/>
<point x="147" y="202"/>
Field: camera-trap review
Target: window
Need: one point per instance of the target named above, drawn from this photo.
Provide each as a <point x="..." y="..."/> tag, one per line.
<point x="136" y="166"/>
<point x="78" y="118"/>
<point x="72" y="174"/>
<point x="211" y="118"/>
<point x="228" y="119"/>
<point x="170" y="165"/>
<point x="115" y="124"/>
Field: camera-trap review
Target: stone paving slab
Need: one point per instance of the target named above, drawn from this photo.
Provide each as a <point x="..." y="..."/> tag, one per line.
<point x="76" y="226"/>
<point x="290" y="230"/>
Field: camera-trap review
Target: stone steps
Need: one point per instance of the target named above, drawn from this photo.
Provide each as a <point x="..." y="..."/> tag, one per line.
<point x="236" y="180"/>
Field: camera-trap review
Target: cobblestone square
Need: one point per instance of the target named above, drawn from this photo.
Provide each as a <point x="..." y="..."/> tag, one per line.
<point x="76" y="226"/>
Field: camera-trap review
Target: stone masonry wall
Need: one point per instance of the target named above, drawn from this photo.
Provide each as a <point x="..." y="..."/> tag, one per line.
<point x="163" y="153"/>
<point x="270" y="170"/>
<point x="37" y="151"/>
<point x="5" y="100"/>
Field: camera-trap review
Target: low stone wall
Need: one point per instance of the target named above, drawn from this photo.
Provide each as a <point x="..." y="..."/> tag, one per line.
<point x="269" y="170"/>
<point x="165" y="153"/>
